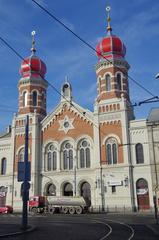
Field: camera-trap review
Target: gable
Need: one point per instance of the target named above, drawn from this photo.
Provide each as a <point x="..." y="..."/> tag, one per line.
<point x="67" y="123"/>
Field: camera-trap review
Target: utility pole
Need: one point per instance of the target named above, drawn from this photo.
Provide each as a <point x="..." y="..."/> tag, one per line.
<point x="102" y="188"/>
<point x="25" y="184"/>
<point x="101" y="173"/>
<point x="75" y="171"/>
<point x="155" y="197"/>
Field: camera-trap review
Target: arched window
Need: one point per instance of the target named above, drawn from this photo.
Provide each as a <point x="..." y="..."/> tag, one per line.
<point x="49" y="161"/>
<point x="21" y="155"/>
<point x="114" y="150"/>
<point x="65" y="162"/>
<point x="51" y="190"/>
<point x="34" y="98"/>
<point x="109" y="154"/>
<point x="84" y="154"/>
<point x="119" y="81"/>
<point x="3" y="166"/>
<point x="99" y="85"/>
<point x="43" y="100"/>
<point x="111" y="151"/>
<point x="25" y="99"/>
<point x="67" y="156"/>
<point x="139" y="153"/>
<point x="51" y="158"/>
<point x="108" y="82"/>
<point x="54" y="165"/>
<point x="82" y="158"/>
<point x="66" y="90"/>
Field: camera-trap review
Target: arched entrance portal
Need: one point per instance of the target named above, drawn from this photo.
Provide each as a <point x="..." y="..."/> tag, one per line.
<point x="86" y="192"/>
<point x="68" y="189"/>
<point x="142" y="194"/>
<point x="3" y="192"/>
<point x="51" y="190"/>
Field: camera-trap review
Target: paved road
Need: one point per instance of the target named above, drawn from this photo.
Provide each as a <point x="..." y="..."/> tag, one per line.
<point x="86" y="227"/>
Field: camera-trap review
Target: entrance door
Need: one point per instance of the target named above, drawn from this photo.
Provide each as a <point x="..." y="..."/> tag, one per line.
<point x="2" y="196"/>
<point x="68" y="190"/>
<point x="51" y="190"/>
<point x="86" y="192"/>
<point x="142" y="194"/>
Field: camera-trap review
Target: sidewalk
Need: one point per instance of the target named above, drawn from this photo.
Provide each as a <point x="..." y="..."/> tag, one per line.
<point x="13" y="229"/>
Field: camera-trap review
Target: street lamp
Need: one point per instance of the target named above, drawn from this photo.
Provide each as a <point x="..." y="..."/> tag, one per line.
<point x="155" y="197"/>
<point x="75" y="173"/>
<point x="157" y="76"/>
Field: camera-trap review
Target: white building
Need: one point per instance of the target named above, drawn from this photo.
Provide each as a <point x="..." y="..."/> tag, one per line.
<point x="106" y="155"/>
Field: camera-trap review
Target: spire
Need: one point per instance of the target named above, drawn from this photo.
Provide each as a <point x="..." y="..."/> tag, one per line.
<point x="66" y="79"/>
<point x="109" y="28"/>
<point x="33" y="50"/>
<point x="66" y="91"/>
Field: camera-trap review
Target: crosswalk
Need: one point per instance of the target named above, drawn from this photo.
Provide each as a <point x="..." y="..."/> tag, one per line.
<point x="19" y="215"/>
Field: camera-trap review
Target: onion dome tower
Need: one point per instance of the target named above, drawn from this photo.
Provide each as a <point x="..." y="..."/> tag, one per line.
<point x="112" y="68"/>
<point x="32" y="85"/>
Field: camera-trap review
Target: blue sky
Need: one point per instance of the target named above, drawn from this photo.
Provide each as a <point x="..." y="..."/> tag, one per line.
<point x="135" y="22"/>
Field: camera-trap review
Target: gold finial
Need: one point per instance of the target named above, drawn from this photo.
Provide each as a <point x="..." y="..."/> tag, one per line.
<point x="109" y="29"/>
<point x="66" y="79"/>
<point x="33" y="50"/>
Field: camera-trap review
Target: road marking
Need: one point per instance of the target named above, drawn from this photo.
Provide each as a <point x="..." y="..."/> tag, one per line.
<point x="152" y="229"/>
<point x="110" y="229"/>
<point x="132" y="230"/>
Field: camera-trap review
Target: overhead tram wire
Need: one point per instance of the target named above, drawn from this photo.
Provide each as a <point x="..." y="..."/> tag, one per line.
<point x="20" y="56"/>
<point x="91" y="47"/>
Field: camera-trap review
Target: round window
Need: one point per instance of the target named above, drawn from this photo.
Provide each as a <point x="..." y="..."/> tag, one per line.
<point x="51" y="147"/>
<point x="67" y="145"/>
<point x="84" y="144"/>
<point x="66" y="124"/>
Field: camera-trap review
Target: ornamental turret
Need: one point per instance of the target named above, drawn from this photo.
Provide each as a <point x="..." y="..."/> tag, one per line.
<point x="32" y="85"/>
<point x="111" y="68"/>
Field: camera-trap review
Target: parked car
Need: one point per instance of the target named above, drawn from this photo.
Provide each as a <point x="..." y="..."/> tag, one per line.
<point x="6" y="209"/>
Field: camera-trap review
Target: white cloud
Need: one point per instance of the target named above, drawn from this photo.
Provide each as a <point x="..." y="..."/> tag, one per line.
<point x="68" y="24"/>
<point x="41" y="2"/>
<point x="140" y="26"/>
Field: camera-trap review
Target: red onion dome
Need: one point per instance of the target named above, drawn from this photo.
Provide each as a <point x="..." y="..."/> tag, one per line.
<point x="33" y="66"/>
<point x="111" y="47"/>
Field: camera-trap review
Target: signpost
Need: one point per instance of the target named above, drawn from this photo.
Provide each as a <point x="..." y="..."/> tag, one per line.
<point x="155" y="208"/>
<point x="25" y="184"/>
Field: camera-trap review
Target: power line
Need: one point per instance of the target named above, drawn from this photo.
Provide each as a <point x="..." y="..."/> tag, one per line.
<point x="20" y="56"/>
<point x="90" y="46"/>
<point x="9" y="46"/>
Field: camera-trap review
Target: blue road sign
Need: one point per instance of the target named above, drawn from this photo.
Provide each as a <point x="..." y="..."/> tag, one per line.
<point x="21" y="168"/>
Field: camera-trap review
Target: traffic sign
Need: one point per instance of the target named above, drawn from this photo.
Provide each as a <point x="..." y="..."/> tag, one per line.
<point x="21" y="171"/>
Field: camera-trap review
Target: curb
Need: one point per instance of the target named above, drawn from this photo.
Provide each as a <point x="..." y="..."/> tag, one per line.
<point x="156" y="232"/>
<point x="30" y="229"/>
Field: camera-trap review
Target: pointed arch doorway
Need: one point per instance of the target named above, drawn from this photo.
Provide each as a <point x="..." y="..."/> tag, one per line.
<point x="142" y="194"/>
<point x="85" y="191"/>
<point x="67" y="189"/>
